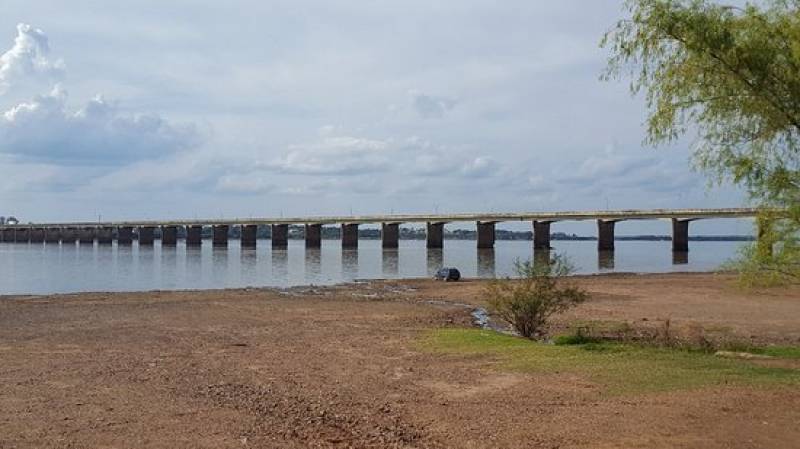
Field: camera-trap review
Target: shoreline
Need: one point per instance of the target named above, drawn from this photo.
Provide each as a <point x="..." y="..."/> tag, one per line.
<point x="616" y="274"/>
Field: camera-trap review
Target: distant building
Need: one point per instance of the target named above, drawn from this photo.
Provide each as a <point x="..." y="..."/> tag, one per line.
<point x="11" y="221"/>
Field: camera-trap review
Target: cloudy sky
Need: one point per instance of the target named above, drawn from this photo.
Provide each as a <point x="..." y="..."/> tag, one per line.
<point x="153" y="109"/>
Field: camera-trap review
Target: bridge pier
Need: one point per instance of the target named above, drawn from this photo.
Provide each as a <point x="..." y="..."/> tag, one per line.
<point x="434" y="235"/>
<point x="194" y="235"/>
<point x="541" y="234"/>
<point x="147" y="235"/>
<point x="23" y="235"/>
<point x="220" y="235"/>
<point x="169" y="236"/>
<point x="350" y="235"/>
<point x="680" y="235"/>
<point x="313" y="236"/>
<point x="52" y="235"/>
<point x="7" y="235"/>
<point x="605" y="235"/>
<point x="486" y="235"/>
<point x="390" y="235"/>
<point x="105" y="235"/>
<point x="37" y="235"/>
<point x="280" y="236"/>
<point x="86" y="236"/>
<point x="249" y="236"/>
<point x="125" y="235"/>
<point x="69" y="235"/>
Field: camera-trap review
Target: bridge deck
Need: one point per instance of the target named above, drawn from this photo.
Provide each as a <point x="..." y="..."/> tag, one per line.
<point x="618" y="215"/>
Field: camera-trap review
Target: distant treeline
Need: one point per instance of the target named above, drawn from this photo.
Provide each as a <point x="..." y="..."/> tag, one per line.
<point x="334" y="232"/>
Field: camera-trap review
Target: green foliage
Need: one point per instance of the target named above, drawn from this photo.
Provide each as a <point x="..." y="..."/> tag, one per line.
<point x="732" y="75"/>
<point x="617" y="368"/>
<point x="541" y="291"/>
<point x="774" y="259"/>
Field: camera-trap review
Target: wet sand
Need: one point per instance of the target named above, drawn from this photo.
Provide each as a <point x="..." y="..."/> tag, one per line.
<point x="338" y="367"/>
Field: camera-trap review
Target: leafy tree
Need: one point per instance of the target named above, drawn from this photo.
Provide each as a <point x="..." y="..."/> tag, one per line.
<point x="528" y="303"/>
<point x="732" y="76"/>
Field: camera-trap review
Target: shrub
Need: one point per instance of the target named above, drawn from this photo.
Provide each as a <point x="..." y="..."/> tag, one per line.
<point x="527" y="303"/>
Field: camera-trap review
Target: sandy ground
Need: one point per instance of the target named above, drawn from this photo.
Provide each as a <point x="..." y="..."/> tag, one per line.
<point x="336" y="367"/>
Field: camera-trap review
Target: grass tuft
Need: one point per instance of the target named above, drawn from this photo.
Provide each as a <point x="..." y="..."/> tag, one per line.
<point x="574" y="339"/>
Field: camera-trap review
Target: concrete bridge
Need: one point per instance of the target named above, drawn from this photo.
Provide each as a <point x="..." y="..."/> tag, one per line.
<point x="125" y="232"/>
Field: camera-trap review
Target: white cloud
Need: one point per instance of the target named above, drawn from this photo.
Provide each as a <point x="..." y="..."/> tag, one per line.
<point x="359" y="156"/>
<point x="96" y="133"/>
<point x="252" y="182"/>
<point x="340" y="165"/>
<point x="45" y="129"/>
<point x="334" y="156"/>
<point x="28" y="177"/>
<point x="336" y="186"/>
<point x="29" y="57"/>
<point x="635" y="172"/>
<point x="196" y="171"/>
<point x="431" y="106"/>
<point x="479" y="167"/>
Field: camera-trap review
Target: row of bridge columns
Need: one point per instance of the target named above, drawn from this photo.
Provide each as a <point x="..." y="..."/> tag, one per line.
<point x="390" y="235"/>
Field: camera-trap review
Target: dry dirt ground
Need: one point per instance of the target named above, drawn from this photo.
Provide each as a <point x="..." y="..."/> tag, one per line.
<point x="337" y="367"/>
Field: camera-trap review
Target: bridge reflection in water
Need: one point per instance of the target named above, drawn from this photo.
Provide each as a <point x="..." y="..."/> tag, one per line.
<point x="486" y="261"/>
<point x="680" y="257"/>
<point x="50" y="268"/>
<point x="605" y="260"/>
<point x="350" y="264"/>
<point x="487" y="267"/>
<point x="390" y="262"/>
<point x="280" y="263"/>
<point x="313" y="263"/>
<point x="435" y="260"/>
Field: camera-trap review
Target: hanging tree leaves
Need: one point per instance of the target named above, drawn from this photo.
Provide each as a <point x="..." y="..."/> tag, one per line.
<point x="730" y="75"/>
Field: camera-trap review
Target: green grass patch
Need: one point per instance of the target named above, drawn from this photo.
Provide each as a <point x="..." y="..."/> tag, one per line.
<point x="780" y="352"/>
<point x="620" y="368"/>
<point x="783" y="352"/>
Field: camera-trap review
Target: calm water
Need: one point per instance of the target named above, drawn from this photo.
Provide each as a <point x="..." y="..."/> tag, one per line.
<point x="39" y="269"/>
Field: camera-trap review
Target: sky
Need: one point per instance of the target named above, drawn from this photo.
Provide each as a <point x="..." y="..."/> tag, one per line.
<point x="181" y="109"/>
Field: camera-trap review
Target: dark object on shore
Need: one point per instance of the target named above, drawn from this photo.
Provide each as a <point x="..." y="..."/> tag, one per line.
<point x="448" y="274"/>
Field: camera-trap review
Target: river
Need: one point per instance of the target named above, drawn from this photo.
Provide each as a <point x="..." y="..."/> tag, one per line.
<point x="68" y="268"/>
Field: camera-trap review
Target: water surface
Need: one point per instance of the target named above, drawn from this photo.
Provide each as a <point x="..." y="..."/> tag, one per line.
<point x="66" y="268"/>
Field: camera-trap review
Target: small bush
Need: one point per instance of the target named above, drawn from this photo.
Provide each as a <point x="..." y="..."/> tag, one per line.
<point x="527" y="303"/>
